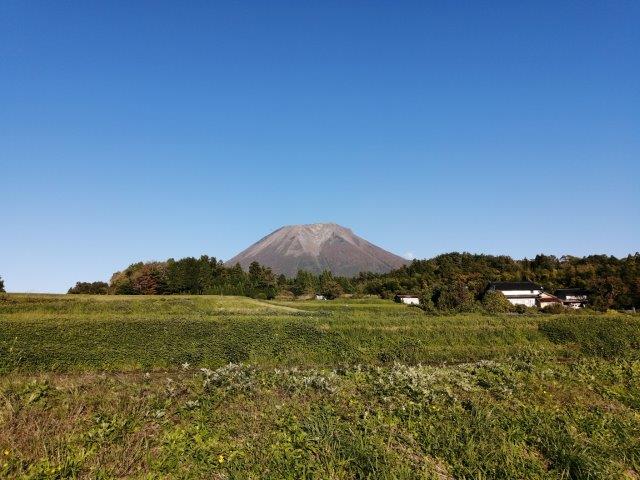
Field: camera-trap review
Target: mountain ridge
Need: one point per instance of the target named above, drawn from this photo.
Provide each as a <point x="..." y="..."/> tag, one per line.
<point x="317" y="247"/>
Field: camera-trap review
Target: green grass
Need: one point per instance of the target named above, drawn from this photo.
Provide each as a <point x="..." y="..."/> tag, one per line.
<point x="94" y="387"/>
<point x="63" y="333"/>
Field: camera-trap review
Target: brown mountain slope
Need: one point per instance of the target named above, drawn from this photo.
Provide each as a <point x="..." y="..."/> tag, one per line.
<point x="318" y="247"/>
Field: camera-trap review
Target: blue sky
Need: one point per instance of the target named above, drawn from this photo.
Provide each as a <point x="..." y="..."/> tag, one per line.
<point x="146" y="130"/>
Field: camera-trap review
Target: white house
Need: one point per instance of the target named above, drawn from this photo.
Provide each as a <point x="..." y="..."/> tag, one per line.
<point x="407" y="299"/>
<point x="518" y="293"/>
<point x="573" y="297"/>
<point x="320" y="297"/>
<point x="548" y="300"/>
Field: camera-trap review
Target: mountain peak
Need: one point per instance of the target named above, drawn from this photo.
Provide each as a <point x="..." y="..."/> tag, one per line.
<point x="317" y="247"/>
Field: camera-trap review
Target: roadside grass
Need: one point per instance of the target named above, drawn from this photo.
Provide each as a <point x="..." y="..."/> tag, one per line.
<point x="234" y="388"/>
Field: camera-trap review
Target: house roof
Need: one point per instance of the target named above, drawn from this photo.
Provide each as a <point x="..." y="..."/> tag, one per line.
<point x="406" y="296"/>
<point x="563" y="292"/>
<point x="514" y="286"/>
<point x="548" y="298"/>
<point x="529" y="295"/>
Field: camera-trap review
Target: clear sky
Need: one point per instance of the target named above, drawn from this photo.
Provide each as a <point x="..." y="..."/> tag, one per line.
<point x="146" y="130"/>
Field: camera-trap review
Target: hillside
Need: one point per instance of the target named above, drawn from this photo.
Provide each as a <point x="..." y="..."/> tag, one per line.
<point x="315" y="248"/>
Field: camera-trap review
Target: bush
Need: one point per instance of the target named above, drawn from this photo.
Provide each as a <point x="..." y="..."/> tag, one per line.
<point x="495" y="302"/>
<point x="554" y="309"/>
<point x="2" y="285"/>
<point x="520" y="309"/>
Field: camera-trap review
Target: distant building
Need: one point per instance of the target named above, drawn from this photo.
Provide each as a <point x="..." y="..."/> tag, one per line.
<point x="407" y="299"/>
<point x="518" y="293"/>
<point x="548" y="300"/>
<point x="320" y="297"/>
<point x="573" y="297"/>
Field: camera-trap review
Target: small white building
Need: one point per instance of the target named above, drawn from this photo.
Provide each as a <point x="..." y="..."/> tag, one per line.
<point x="518" y="293"/>
<point x="320" y="297"/>
<point x="407" y="299"/>
<point x="548" y="300"/>
<point x="573" y="297"/>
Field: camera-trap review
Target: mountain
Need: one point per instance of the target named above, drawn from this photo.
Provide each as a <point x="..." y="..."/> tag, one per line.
<point x="318" y="247"/>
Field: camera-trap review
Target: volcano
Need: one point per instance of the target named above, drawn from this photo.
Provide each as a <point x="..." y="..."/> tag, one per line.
<point x="315" y="248"/>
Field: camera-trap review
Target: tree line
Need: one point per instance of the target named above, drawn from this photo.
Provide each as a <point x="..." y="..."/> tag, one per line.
<point x="448" y="282"/>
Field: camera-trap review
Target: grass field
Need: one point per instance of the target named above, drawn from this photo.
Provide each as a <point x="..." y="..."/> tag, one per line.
<point x="230" y="387"/>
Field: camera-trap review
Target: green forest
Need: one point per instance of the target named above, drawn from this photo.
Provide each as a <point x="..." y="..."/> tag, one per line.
<point x="448" y="282"/>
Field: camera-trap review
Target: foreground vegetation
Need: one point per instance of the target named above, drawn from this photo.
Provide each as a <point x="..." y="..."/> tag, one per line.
<point x="232" y="387"/>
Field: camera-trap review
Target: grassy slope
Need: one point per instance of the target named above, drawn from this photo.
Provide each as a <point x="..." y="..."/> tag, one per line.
<point x="327" y="390"/>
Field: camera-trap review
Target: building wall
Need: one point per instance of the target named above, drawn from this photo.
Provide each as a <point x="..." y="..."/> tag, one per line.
<point x="410" y="301"/>
<point x="573" y="305"/>
<point x="527" y="302"/>
<point x="508" y="293"/>
<point x="548" y="304"/>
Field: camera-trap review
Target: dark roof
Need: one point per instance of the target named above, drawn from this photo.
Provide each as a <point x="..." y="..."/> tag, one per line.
<point x="514" y="286"/>
<point x="406" y="296"/>
<point x="529" y="295"/>
<point x="563" y="292"/>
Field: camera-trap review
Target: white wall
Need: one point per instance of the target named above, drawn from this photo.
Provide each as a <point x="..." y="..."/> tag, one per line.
<point x="410" y="301"/>
<point x="547" y="304"/>
<point x="527" y="302"/>
<point x="508" y="293"/>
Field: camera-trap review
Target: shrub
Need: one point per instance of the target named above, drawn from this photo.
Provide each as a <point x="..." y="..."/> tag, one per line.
<point x="554" y="309"/>
<point x="2" y="285"/>
<point x="520" y="309"/>
<point x="495" y="302"/>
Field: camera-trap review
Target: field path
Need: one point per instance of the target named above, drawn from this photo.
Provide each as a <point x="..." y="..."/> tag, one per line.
<point x="275" y="306"/>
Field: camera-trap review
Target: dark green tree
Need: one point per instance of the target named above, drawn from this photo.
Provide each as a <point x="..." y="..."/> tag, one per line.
<point x="304" y="283"/>
<point x="90" y="288"/>
<point x="183" y="276"/>
<point x="262" y="281"/>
